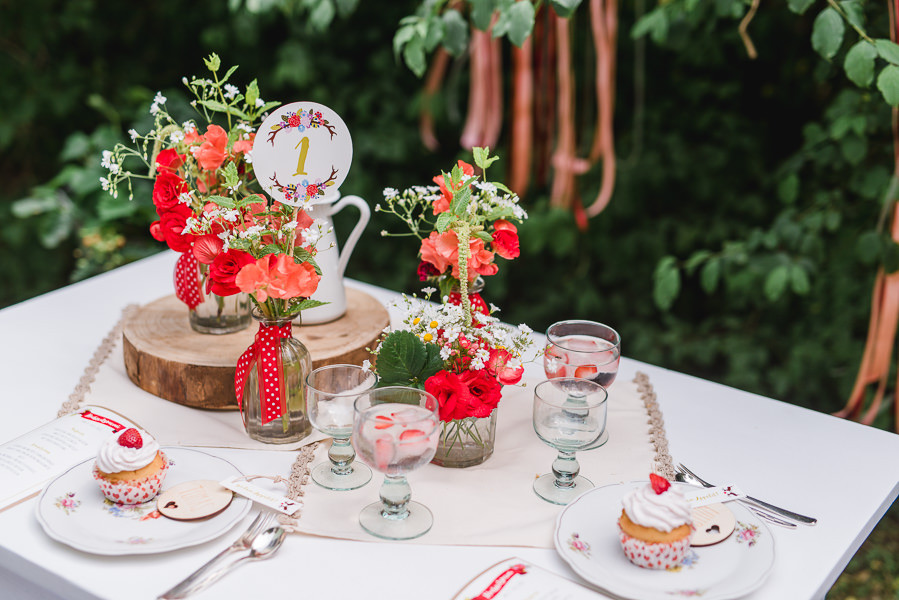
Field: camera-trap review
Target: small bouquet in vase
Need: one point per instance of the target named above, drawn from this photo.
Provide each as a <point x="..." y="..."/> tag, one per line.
<point x="191" y="162"/>
<point x="457" y="350"/>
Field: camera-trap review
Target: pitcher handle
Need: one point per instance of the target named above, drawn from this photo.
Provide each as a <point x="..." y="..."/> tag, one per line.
<point x="356" y="233"/>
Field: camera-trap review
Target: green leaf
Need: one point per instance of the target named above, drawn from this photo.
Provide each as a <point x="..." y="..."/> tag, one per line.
<point x="788" y="189"/>
<point x="455" y="33"/>
<point x="230" y="175"/>
<point x="300" y="256"/>
<point x="655" y="24"/>
<point x="799" y="6"/>
<point x="401" y="38"/>
<point x="827" y="33"/>
<point x="460" y="202"/>
<point x="227" y="76"/>
<point x="346" y="7"/>
<point x="776" y="282"/>
<point x="223" y="201"/>
<point x="321" y="15"/>
<point x="666" y="284"/>
<point x="484" y="236"/>
<point x="252" y="93"/>
<point x="708" y="278"/>
<point x="855" y="14"/>
<point x="565" y="8"/>
<point x="403" y="358"/>
<point x="306" y="304"/>
<point x="213" y="62"/>
<point x="414" y="56"/>
<point x="482" y="13"/>
<point x="443" y="221"/>
<point x="480" y="156"/>
<point x="30" y="207"/>
<point x="434" y="33"/>
<point x="698" y="257"/>
<point x="888" y="84"/>
<point x="888" y="51"/>
<point x="854" y="149"/>
<point x="890" y="256"/>
<point x="859" y="63"/>
<point x="799" y="280"/>
<point x="517" y="22"/>
<point x="224" y="108"/>
<point x="867" y="248"/>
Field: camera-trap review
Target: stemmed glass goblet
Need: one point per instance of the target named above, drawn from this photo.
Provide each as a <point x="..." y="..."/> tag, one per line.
<point x="330" y="393"/>
<point x="396" y="431"/>
<point x="569" y="415"/>
<point x="584" y="349"/>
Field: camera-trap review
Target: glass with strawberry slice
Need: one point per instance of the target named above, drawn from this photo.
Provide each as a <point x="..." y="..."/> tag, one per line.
<point x="396" y="430"/>
<point x="582" y="349"/>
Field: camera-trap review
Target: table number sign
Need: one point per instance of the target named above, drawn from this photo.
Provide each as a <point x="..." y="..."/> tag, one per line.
<point x="302" y="151"/>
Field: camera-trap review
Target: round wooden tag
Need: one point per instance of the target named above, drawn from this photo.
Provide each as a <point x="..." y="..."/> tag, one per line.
<point x="193" y="500"/>
<point x="712" y="523"/>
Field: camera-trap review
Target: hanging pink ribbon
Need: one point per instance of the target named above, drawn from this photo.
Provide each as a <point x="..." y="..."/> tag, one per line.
<point x="187" y="280"/>
<point x="266" y="350"/>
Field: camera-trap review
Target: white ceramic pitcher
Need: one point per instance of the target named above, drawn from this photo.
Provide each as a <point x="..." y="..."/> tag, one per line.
<point x="331" y="260"/>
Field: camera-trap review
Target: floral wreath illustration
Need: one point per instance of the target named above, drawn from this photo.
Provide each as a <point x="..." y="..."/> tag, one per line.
<point x="302" y="120"/>
<point x="304" y="191"/>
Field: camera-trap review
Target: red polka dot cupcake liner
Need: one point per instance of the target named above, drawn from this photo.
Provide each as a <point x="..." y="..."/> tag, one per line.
<point x="136" y="491"/>
<point x="654" y="555"/>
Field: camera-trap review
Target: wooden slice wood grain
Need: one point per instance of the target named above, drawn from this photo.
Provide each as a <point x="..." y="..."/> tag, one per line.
<point x="165" y="357"/>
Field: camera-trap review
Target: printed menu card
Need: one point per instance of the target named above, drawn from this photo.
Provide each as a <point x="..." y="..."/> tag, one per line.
<point x="30" y="461"/>
<point x="515" y="579"/>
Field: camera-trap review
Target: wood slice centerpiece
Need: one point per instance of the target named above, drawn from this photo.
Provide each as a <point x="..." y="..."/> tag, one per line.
<point x="165" y="357"/>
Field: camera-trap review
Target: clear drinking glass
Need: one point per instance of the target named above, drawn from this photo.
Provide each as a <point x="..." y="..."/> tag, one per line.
<point x="583" y="349"/>
<point x="395" y="432"/>
<point x="569" y="415"/>
<point x="330" y="393"/>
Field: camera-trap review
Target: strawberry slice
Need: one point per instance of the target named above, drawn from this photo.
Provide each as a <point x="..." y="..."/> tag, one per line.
<point x="384" y="451"/>
<point x="410" y="434"/>
<point x="586" y="371"/>
<point x="130" y="438"/>
<point x="659" y="484"/>
<point x="383" y="422"/>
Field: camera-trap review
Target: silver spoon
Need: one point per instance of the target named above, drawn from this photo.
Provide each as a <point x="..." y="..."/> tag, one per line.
<point x="263" y="546"/>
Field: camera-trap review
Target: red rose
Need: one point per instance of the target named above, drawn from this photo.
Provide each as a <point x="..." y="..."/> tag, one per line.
<point x="293" y="120"/>
<point x="224" y="269"/>
<point x="426" y="270"/>
<point x="168" y="161"/>
<point x="485" y="392"/>
<point x="171" y="224"/>
<point x="166" y="190"/>
<point x="311" y="190"/>
<point x="452" y="395"/>
<point x="505" y="239"/>
<point x="156" y="231"/>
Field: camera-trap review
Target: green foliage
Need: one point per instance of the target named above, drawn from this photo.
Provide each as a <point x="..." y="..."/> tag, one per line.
<point x="403" y="359"/>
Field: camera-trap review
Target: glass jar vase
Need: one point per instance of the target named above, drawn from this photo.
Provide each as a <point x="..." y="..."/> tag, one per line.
<point x="274" y="407"/>
<point x="466" y="442"/>
<point x="209" y="313"/>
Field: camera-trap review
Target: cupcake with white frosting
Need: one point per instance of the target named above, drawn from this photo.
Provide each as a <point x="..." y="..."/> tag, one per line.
<point x="655" y="525"/>
<point x="130" y="467"/>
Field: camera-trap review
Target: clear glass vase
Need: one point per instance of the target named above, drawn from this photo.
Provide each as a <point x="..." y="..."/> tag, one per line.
<point x="218" y="315"/>
<point x="466" y="442"/>
<point x="293" y="423"/>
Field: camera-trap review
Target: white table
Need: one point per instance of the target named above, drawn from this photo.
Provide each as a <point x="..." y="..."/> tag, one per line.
<point x="841" y="472"/>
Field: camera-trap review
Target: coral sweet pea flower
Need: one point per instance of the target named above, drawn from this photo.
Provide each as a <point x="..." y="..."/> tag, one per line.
<point x="211" y="153"/>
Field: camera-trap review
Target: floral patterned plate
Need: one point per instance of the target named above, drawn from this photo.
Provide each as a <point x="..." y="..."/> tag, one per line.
<point x="587" y="539"/>
<point x="72" y="510"/>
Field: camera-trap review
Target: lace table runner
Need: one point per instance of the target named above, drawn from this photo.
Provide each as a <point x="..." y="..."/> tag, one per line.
<point x="489" y="504"/>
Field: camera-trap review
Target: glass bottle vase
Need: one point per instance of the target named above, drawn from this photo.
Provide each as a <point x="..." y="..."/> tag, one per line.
<point x="466" y="442"/>
<point x="214" y="314"/>
<point x="296" y="363"/>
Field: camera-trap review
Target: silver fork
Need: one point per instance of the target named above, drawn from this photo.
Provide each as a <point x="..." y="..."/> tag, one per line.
<point x="754" y="502"/>
<point x="198" y="578"/>
<point x="762" y="514"/>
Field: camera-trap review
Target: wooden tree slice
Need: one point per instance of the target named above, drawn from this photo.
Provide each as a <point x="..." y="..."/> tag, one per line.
<point x="165" y="357"/>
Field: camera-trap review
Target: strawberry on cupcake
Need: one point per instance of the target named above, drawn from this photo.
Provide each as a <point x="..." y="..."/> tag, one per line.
<point x="655" y="525"/>
<point x="130" y="467"/>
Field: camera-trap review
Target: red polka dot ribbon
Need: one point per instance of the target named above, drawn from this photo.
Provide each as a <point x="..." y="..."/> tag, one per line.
<point x="187" y="280"/>
<point x="266" y="351"/>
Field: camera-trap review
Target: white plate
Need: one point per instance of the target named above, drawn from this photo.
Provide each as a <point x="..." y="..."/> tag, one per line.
<point x="587" y="539"/>
<point x="72" y="510"/>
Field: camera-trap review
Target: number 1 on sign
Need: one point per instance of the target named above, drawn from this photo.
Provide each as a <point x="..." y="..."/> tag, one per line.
<point x="304" y="150"/>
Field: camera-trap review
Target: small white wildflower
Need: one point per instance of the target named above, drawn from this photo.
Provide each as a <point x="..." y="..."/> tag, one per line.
<point x="133" y="133"/>
<point x="289" y="226"/>
<point x="391" y="193"/>
<point x="104" y="183"/>
<point x="235" y="187"/>
<point x="260" y="102"/>
<point x="188" y="127"/>
<point x="176" y="137"/>
<point x="184" y="197"/>
<point x="253" y="231"/>
<point x="248" y="157"/>
<point x="428" y="290"/>
<point x="366" y="365"/>
<point x="184" y="80"/>
<point x="525" y="329"/>
<point x="231" y="215"/>
<point x="230" y="91"/>
<point x="245" y="127"/>
<point x="311" y="236"/>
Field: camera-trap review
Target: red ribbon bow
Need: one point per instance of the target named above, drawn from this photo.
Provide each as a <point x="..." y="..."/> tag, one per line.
<point x="187" y="280"/>
<point x="266" y="350"/>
